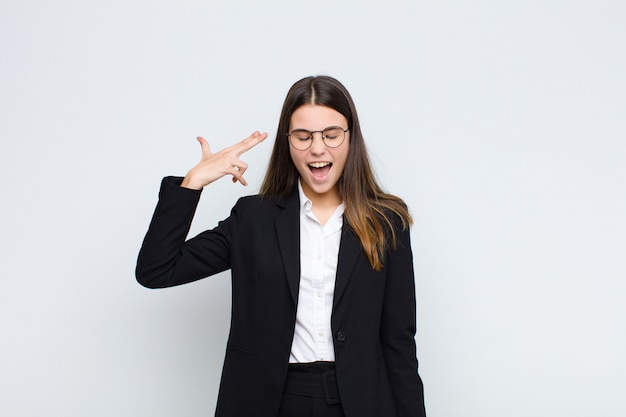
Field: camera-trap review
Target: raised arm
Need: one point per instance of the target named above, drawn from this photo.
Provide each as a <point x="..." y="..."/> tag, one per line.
<point x="165" y="258"/>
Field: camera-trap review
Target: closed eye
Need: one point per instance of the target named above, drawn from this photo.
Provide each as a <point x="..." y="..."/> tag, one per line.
<point x="301" y="135"/>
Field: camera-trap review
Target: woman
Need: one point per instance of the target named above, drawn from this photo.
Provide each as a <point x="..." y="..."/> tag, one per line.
<point x="323" y="297"/>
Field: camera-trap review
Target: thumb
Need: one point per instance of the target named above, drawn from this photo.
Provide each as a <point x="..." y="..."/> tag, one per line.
<point x="206" y="149"/>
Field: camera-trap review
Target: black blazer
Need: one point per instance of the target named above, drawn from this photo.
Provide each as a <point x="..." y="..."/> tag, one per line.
<point x="373" y="317"/>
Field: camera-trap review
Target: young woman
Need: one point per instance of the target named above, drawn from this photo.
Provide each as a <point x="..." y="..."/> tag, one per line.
<point x="323" y="295"/>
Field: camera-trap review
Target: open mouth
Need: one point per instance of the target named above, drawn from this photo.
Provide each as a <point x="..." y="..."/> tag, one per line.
<point x="320" y="169"/>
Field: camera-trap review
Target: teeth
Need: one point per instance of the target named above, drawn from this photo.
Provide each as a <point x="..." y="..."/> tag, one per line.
<point x="319" y="164"/>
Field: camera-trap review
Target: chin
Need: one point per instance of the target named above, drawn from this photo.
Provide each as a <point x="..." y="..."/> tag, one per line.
<point x="320" y="188"/>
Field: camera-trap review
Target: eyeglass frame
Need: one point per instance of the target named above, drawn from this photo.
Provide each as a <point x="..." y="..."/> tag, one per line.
<point x="318" y="131"/>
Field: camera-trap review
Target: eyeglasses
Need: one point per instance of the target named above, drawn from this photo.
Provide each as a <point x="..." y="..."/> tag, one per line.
<point x="302" y="139"/>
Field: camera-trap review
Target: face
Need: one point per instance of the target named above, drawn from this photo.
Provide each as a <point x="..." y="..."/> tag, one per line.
<point x="320" y="167"/>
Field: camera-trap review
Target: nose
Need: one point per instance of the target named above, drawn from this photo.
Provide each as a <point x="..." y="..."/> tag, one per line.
<point x="317" y="143"/>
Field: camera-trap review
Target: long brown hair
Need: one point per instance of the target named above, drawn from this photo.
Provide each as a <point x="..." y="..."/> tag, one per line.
<point x="368" y="210"/>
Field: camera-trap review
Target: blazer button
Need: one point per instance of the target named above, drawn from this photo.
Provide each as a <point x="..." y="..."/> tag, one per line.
<point x="341" y="336"/>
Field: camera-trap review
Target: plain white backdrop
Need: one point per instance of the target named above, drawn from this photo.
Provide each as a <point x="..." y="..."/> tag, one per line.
<point x="501" y="124"/>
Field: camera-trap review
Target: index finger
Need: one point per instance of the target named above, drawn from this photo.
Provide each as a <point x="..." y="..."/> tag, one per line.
<point x="250" y="142"/>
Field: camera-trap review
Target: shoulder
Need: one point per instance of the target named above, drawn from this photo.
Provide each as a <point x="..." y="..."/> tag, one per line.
<point x="259" y="205"/>
<point x="394" y="214"/>
<point x="257" y="201"/>
<point x="396" y="223"/>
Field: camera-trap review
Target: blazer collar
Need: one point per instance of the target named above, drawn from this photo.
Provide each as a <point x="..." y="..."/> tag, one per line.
<point x="349" y="253"/>
<point x="287" y="225"/>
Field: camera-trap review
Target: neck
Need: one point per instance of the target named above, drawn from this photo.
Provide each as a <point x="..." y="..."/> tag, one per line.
<point x="328" y="200"/>
<point x="324" y="204"/>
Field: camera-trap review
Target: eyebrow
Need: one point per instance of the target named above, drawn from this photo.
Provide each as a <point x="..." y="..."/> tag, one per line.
<point x="321" y="130"/>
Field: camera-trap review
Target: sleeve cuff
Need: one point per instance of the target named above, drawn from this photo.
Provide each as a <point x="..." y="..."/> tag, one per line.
<point x="171" y="189"/>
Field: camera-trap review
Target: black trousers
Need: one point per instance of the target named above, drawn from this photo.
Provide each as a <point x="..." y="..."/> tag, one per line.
<point x="311" y="391"/>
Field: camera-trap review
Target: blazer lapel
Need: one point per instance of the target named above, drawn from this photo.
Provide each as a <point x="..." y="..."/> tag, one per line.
<point x="287" y="225"/>
<point x="349" y="252"/>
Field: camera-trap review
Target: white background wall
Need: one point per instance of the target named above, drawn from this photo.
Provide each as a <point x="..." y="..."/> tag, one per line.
<point x="501" y="123"/>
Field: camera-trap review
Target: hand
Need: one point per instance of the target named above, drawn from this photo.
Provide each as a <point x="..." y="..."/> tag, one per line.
<point x="213" y="166"/>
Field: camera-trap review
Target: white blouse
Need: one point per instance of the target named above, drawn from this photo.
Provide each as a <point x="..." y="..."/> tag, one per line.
<point x="319" y="249"/>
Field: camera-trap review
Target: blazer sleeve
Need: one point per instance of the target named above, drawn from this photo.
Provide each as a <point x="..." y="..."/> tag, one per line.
<point x="165" y="258"/>
<point x="398" y="327"/>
